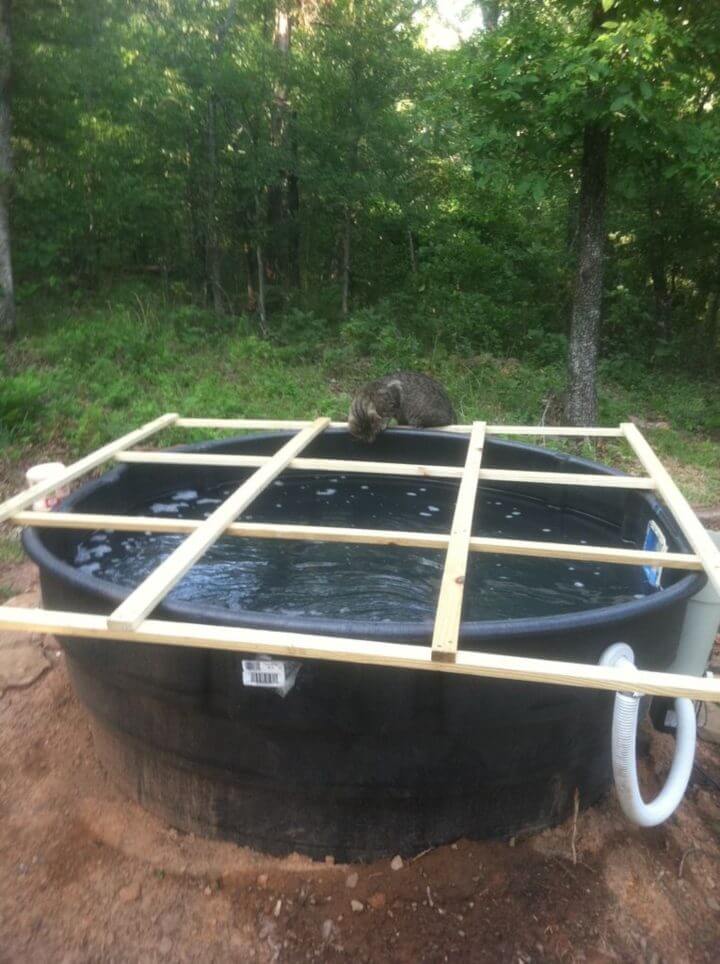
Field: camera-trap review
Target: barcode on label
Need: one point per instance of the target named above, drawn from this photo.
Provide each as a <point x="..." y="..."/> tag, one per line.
<point x="264" y="679"/>
<point x="263" y="673"/>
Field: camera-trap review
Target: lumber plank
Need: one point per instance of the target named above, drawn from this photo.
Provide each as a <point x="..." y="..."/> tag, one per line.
<point x="83" y="465"/>
<point x="343" y="649"/>
<point x="553" y="431"/>
<point x="276" y="424"/>
<point x="452" y="586"/>
<point x="568" y="478"/>
<point x="152" y="590"/>
<point x="390" y="468"/>
<point x="693" y="529"/>
<point x="583" y="553"/>
<point x="382" y="537"/>
<point x="271" y="424"/>
<point x="306" y="464"/>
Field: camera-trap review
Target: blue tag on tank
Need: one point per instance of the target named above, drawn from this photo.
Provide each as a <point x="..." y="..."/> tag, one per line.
<point x="655" y="541"/>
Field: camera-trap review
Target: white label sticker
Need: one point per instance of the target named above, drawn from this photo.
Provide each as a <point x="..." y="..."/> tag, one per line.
<point x="263" y="672"/>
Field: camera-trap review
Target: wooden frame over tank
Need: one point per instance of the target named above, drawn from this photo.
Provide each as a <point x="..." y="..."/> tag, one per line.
<point x="129" y="621"/>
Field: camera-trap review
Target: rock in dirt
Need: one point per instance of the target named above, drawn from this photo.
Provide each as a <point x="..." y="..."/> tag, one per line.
<point x="351" y="880"/>
<point x="327" y="929"/>
<point x="357" y="906"/>
<point x="22" y="660"/>
<point x="710" y="730"/>
<point x="262" y="880"/>
<point x="164" y="947"/>
<point x="377" y="900"/>
<point x="396" y="863"/>
<point x="126" y="895"/>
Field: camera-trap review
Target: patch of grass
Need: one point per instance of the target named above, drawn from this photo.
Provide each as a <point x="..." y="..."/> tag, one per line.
<point x="91" y="375"/>
<point x="11" y="551"/>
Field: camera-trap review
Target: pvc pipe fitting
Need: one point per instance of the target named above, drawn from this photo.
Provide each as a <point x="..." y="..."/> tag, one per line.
<point x="624" y="757"/>
<point x="42" y="473"/>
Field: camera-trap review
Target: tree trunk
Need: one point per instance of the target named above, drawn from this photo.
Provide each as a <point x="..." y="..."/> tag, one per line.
<point x="275" y="255"/>
<point x="7" y="289"/>
<point x="293" y="204"/>
<point x="657" y="249"/>
<point x="587" y="294"/>
<point x="250" y="272"/>
<point x="196" y="248"/>
<point x="212" y="241"/>
<point x="262" y="316"/>
<point x="346" y="266"/>
<point x="711" y="329"/>
<point x="490" y="13"/>
<point x="212" y="247"/>
<point x="661" y="297"/>
<point x="413" y="256"/>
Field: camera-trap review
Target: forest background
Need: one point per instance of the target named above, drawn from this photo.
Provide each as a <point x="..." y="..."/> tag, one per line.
<point x="247" y="207"/>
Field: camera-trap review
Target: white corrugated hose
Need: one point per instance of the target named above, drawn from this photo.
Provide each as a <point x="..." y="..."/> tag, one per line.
<point x="624" y="757"/>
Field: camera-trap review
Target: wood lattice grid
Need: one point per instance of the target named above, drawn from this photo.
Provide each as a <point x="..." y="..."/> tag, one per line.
<point x="129" y="622"/>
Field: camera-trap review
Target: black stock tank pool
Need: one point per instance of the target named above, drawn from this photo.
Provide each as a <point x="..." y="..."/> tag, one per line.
<point x="343" y="759"/>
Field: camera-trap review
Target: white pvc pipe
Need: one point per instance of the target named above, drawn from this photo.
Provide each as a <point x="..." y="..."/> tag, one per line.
<point x="624" y="757"/>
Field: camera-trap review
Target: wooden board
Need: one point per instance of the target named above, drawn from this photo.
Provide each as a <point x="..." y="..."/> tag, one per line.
<point x="277" y="424"/>
<point x="150" y="592"/>
<point x="566" y="550"/>
<point x="452" y="585"/>
<point x="567" y="478"/>
<point x="269" y="424"/>
<point x="343" y="649"/>
<point x="383" y="537"/>
<point x="91" y="461"/>
<point x="312" y="465"/>
<point x="691" y="526"/>
<point x="390" y="468"/>
<point x="554" y="431"/>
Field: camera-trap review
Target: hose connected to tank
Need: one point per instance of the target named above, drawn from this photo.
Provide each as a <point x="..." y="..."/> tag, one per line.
<point x="624" y="758"/>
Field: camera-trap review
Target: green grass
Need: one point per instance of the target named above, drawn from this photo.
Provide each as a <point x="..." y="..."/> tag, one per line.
<point x="11" y="551"/>
<point x="79" y="377"/>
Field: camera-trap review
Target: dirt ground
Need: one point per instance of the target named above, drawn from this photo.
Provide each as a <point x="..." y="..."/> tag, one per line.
<point x="87" y="876"/>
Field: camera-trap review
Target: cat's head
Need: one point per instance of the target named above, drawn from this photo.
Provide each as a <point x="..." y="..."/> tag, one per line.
<point x="364" y="422"/>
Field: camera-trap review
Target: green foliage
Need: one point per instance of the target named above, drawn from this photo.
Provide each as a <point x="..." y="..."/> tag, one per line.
<point x="77" y="403"/>
<point x="162" y="137"/>
<point x="21" y="403"/>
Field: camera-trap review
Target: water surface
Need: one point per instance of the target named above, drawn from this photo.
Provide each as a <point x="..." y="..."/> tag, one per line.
<point x="378" y="583"/>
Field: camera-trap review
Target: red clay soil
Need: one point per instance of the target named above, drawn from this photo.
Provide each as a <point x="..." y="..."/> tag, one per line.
<point x="87" y="876"/>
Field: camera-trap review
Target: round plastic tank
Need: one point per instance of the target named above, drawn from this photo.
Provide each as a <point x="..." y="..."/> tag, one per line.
<point x="353" y="760"/>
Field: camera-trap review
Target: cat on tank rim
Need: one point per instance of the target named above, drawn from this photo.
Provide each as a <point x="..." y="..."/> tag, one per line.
<point x="411" y="398"/>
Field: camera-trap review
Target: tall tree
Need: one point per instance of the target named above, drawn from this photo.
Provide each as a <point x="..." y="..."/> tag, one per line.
<point x="7" y="290"/>
<point x="355" y="78"/>
<point x="546" y="89"/>
<point x="581" y="405"/>
<point x="212" y="249"/>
